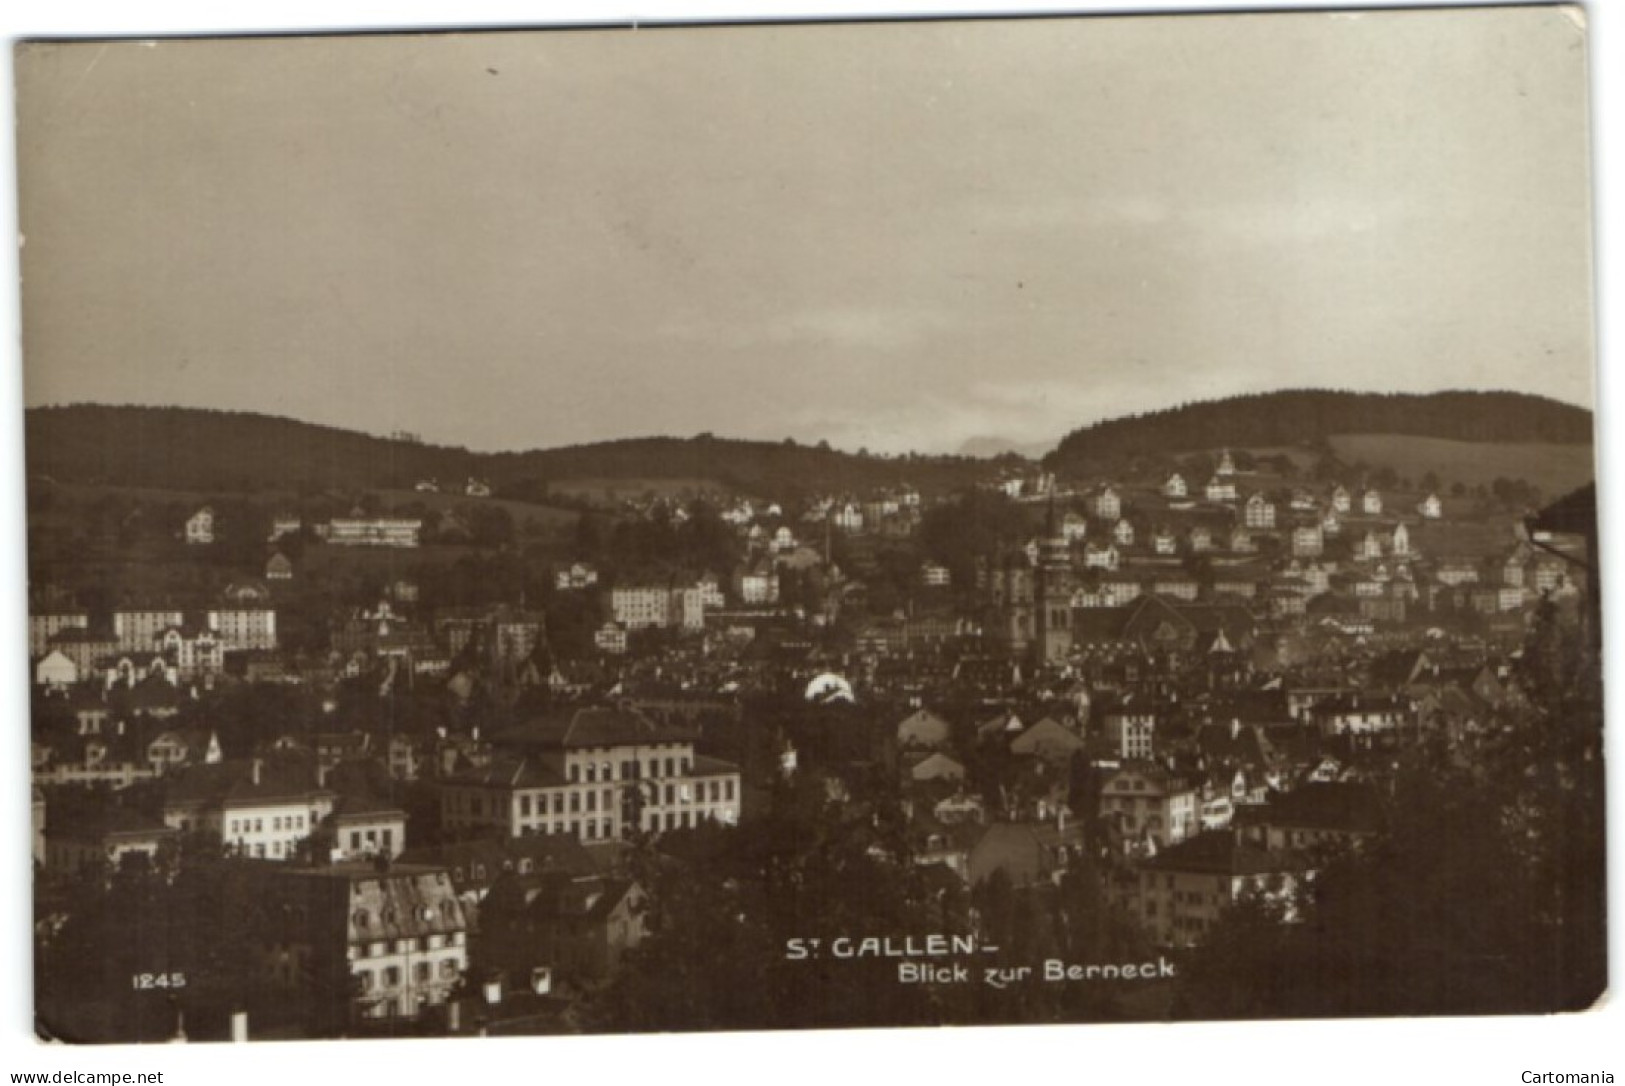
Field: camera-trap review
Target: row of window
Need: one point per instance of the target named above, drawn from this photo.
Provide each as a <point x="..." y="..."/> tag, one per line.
<point x="412" y="945"/>
<point x="276" y="850"/>
<point x="591" y="829"/>
<point x="1194" y="897"/>
<point x="372" y="839"/>
<point x="388" y="915"/>
<point x="631" y="769"/>
<point x="279" y="823"/>
<point x="577" y="802"/>
<point x="475" y="805"/>
<point x="422" y="972"/>
<point x="594" y="829"/>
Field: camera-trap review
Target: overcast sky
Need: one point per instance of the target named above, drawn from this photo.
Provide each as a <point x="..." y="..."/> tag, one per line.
<point x="898" y="236"/>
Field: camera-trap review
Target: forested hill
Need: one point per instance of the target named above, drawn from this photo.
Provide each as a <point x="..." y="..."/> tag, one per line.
<point x="200" y="450"/>
<point x="1296" y="417"/>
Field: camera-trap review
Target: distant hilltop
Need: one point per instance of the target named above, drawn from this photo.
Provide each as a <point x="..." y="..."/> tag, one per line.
<point x="989" y="446"/>
<point x="1300" y="417"/>
<point x="194" y="449"/>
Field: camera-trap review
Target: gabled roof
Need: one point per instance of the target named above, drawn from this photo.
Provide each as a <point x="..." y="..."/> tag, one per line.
<point x="98" y="817"/>
<point x="1219" y="853"/>
<point x="1574" y="513"/>
<point x="508" y="773"/>
<point x="604" y="726"/>
<point x="232" y="783"/>
<point x="552" y="852"/>
<point x="706" y="766"/>
<point x="364" y="806"/>
<point x="1246" y="744"/>
<point x="1326" y="805"/>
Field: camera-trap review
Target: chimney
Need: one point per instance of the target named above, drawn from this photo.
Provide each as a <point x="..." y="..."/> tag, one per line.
<point x="256" y="764"/>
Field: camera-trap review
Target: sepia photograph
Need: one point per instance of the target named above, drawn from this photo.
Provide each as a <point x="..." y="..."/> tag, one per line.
<point x="1073" y="520"/>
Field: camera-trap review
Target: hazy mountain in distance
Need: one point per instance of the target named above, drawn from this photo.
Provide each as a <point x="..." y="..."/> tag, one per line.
<point x="984" y="447"/>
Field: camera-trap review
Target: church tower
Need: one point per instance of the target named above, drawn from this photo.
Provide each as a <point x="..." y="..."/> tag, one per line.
<point x="1054" y="588"/>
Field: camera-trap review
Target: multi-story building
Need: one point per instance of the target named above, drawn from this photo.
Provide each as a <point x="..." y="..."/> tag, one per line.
<point x="710" y="589"/>
<point x="56" y="671"/>
<point x="1055" y="585"/>
<point x="503" y="632"/>
<point x="375" y="942"/>
<point x="1315" y="817"/>
<point x="200" y="527"/>
<point x="374" y="531"/>
<point x="577" y="577"/>
<point x="252" y="808"/>
<point x="1259" y="512"/>
<point x="1308" y="541"/>
<point x="139" y="628"/>
<point x="610" y="638"/>
<point x="848" y="517"/>
<point x="83" y="646"/>
<point x="1183" y="891"/>
<point x="366" y="829"/>
<point x="1132" y="732"/>
<point x="641" y="607"/>
<point x="196" y="653"/>
<point x="1106" y="503"/>
<point x="284" y="524"/>
<point x="1400" y="542"/>
<point x="1363" y="714"/>
<point x="596" y="774"/>
<point x="1106" y="557"/>
<point x="98" y="835"/>
<point x="243" y="627"/>
<point x="1150" y="804"/>
<point x="44" y="625"/>
<point x="756" y="584"/>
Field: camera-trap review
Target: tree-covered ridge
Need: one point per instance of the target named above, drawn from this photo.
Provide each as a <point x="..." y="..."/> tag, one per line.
<point x="204" y="450"/>
<point x="1296" y="416"/>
